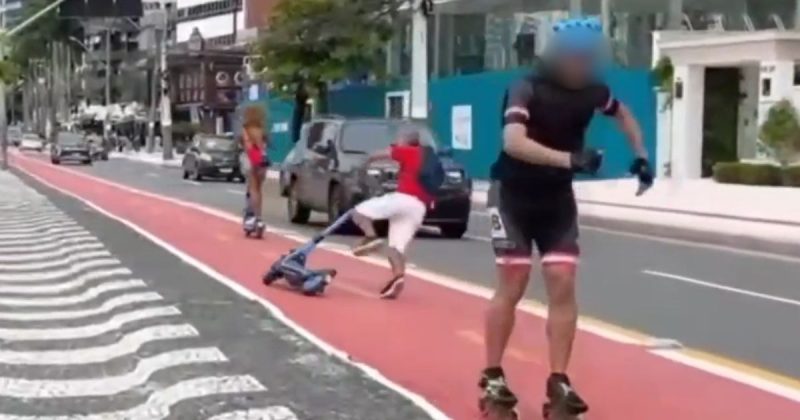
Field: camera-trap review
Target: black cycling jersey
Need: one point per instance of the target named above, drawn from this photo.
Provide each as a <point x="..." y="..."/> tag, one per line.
<point x="554" y="116"/>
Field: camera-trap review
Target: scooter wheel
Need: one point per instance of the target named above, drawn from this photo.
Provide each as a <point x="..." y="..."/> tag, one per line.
<point x="270" y="277"/>
<point x="315" y="285"/>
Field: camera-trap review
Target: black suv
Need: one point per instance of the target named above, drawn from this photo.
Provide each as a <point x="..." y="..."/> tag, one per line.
<point x="213" y="157"/>
<point x="325" y="172"/>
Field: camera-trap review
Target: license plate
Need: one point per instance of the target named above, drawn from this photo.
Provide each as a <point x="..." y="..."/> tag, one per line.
<point x="226" y="170"/>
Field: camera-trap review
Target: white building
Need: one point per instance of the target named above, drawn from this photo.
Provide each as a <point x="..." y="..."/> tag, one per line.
<point x="10" y="13"/>
<point x="218" y="21"/>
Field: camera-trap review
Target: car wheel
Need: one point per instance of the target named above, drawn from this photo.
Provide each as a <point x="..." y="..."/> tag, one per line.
<point x="185" y="174"/>
<point x="336" y="203"/>
<point x="55" y="161"/>
<point x="454" y="230"/>
<point x="88" y="162"/>
<point x="298" y="213"/>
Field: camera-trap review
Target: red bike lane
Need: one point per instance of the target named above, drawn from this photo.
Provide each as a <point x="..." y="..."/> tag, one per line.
<point x="429" y="341"/>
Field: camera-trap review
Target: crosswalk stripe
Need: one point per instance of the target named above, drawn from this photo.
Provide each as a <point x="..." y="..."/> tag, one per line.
<point x="63" y="286"/>
<point x="276" y="412"/>
<point x="33" y="256"/>
<point x="42" y="234"/>
<point x="85" y="296"/>
<point x="86" y="331"/>
<point x="46" y="242"/>
<point x="42" y="265"/>
<point x="38" y="246"/>
<point x="51" y="226"/>
<point x="56" y="274"/>
<point x="105" y="307"/>
<point x="158" y="405"/>
<point x="128" y="344"/>
<point x="108" y="385"/>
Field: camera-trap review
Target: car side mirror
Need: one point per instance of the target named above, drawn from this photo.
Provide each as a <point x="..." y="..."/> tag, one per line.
<point x="325" y="149"/>
<point x="445" y="151"/>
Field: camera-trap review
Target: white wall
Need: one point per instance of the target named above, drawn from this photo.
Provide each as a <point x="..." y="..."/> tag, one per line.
<point x="687" y="123"/>
<point x="210" y="27"/>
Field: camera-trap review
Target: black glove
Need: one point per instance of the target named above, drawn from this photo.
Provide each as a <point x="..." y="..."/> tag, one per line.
<point x="642" y="170"/>
<point x="587" y="161"/>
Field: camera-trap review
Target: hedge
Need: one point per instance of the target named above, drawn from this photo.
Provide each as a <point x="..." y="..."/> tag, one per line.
<point x="749" y="173"/>
<point x="791" y="176"/>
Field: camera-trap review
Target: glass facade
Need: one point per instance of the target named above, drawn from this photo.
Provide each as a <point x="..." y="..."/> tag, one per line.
<point x="470" y="36"/>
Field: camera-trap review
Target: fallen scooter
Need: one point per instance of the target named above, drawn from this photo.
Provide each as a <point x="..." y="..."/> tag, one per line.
<point x="292" y="266"/>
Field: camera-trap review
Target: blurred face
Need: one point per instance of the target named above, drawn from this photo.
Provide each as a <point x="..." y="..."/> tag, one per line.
<point x="576" y="69"/>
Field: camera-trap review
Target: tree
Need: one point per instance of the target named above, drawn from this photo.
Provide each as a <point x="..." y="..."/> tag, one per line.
<point x="310" y="43"/>
<point x="34" y="42"/>
<point x="781" y="131"/>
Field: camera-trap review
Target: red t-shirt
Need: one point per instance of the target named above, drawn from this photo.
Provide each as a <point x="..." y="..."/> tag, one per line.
<point x="410" y="160"/>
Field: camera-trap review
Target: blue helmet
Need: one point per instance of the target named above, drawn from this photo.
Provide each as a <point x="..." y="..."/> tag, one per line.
<point x="577" y="36"/>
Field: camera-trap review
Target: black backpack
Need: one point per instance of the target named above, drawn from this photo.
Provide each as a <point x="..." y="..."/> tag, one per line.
<point x="431" y="171"/>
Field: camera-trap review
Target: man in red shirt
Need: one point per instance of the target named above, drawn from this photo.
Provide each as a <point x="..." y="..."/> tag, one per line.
<point x="404" y="209"/>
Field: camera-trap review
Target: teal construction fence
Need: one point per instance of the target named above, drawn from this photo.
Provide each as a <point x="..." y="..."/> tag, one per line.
<point x="483" y="92"/>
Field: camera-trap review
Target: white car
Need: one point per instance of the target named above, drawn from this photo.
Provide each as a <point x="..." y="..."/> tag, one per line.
<point x="31" y="141"/>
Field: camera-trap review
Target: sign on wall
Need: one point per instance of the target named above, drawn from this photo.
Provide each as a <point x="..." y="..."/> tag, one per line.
<point x="461" y="127"/>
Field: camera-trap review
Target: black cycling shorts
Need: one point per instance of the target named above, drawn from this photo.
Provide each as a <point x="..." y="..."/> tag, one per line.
<point x="519" y="221"/>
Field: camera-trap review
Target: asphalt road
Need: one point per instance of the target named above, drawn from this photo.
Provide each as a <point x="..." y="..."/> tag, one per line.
<point x="281" y="368"/>
<point x="736" y="304"/>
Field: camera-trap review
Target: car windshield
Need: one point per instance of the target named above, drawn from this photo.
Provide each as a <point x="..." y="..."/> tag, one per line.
<point x="368" y="137"/>
<point x="70" y="139"/>
<point x="215" y="144"/>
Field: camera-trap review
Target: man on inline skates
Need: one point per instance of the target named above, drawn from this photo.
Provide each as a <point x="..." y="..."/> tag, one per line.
<point x="531" y="201"/>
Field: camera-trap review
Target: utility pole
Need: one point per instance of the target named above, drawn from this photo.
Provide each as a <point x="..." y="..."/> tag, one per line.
<point x="3" y="116"/>
<point x="154" y="82"/>
<point x="107" y="122"/>
<point x="166" y="105"/>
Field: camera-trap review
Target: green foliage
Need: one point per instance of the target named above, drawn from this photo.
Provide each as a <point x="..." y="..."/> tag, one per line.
<point x="33" y="42"/>
<point x="320" y="41"/>
<point x="781" y="131"/>
<point x="791" y="176"/>
<point x="664" y="76"/>
<point x="748" y="173"/>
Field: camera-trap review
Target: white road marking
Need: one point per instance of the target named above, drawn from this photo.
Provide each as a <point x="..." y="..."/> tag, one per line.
<point x="33" y="225"/>
<point x="39" y="246"/>
<point x="195" y="183"/>
<point x="52" y="226"/>
<point x="46" y="243"/>
<point x="50" y="254"/>
<point x="128" y="344"/>
<point x="44" y="265"/>
<point x="275" y="412"/>
<point x="730" y="289"/>
<point x="152" y="175"/>
<point x="234" y="192"/>
<point x="86" y="331"/>
<point x="43" y="234"/>
<point x="105" y="307"/>
<point x="157" y="406"/>
<point x="55" y="274"/>
<point x="50" y="289"/>
<point x="107" y="385"/>
<point x="26" y="217"/>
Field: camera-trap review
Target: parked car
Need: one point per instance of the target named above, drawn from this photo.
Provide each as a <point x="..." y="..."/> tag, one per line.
<point x="14" y="134"/>
<point x="212" y="157"/>
<point x="326" y="172"/>
<point x="70" y="147"/>
<point x="98" y="147"/>
<point x="31" y="141"/>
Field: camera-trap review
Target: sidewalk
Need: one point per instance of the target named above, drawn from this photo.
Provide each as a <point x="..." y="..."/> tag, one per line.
<point x="151" y="158"/>
<point x="763" y="219"/>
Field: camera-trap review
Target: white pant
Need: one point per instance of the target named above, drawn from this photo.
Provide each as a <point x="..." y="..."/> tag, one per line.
<point x="404" y="212"/>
